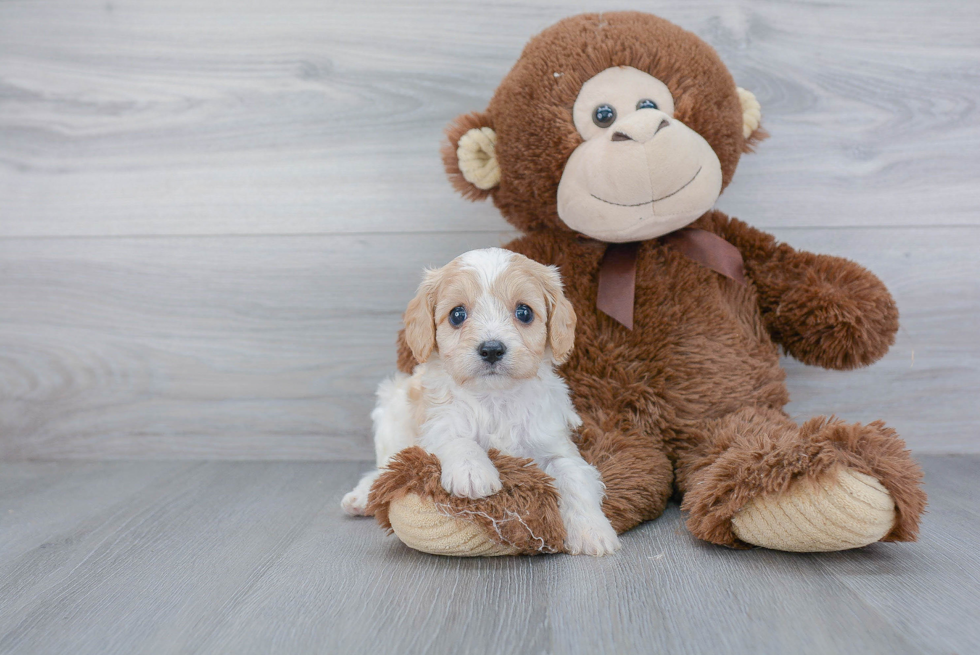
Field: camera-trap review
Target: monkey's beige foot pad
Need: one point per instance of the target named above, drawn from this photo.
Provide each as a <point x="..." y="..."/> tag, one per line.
<point x="420" y="525"/>
<point x="521" y="519"/>
<point x="849" y="511"/>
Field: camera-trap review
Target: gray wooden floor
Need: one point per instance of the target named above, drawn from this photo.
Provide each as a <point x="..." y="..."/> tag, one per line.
<point x="256" y="557"/>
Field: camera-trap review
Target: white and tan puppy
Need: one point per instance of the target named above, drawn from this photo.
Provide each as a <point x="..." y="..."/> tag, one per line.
<point x="488" y="330"/>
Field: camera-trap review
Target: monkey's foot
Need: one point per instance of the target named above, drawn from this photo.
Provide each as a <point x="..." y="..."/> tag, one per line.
<point x="520" y="519"/>
<point x="848" y="510"/>
<point x="422" y="526"/>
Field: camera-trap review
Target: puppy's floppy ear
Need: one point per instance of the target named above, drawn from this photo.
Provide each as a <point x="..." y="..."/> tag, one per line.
<point x="470" y="155"/>
<point x="420" y="325"/>
<point x="752" y="131"/>
<point x="561" y="315"/>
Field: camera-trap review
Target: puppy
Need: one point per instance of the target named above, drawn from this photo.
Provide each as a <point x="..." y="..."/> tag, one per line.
<point x="488" y="329"/>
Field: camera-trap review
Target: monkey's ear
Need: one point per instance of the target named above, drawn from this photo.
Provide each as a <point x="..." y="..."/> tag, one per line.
<point x="470" y="156"/>
<point x="752" y="132"/>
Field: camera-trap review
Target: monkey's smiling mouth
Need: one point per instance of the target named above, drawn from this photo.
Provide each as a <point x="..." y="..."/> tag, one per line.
<point x="650" y="202"/>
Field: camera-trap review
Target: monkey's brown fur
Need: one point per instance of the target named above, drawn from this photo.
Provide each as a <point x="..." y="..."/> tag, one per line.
<point x="691" y="399"/>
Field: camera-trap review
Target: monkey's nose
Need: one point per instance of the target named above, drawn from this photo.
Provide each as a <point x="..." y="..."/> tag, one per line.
<point x="639" y="132"/>
<point x="491" y="351"/>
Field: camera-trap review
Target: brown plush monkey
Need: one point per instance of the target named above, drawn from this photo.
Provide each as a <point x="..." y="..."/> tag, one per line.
<point x="608" y="144"/>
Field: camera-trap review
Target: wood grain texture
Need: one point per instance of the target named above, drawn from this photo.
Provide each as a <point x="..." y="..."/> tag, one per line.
<point x="256" y="557"/>
<point x="212" y="213"/>
<point x="304" y="116"/>
<point x="254" y="347"/>
<point x="232" y="347"/>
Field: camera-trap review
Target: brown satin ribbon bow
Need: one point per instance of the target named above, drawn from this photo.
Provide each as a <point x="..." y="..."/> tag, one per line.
<point x="617" y="273"/>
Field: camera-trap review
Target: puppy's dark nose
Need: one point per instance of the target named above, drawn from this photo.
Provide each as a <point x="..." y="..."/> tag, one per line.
<point x="491" y="351"/>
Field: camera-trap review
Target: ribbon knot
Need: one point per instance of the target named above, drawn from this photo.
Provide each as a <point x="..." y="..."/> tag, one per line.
<point x="617" y="272"/>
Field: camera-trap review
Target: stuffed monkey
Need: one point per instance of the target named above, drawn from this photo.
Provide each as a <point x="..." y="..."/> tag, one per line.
<point x="607" y="146"/>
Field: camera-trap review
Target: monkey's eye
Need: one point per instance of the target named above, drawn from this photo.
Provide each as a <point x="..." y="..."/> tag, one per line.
<point x="457" y="316"/>
<point x="603" y="115"/>
<point x="646" y="103"/>
<point x="524" y="314"/>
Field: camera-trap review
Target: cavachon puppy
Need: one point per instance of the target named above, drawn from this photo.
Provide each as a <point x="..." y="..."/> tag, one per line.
<point x="488" y="330"/>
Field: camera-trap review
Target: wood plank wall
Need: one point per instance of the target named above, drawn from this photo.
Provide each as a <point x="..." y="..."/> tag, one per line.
<point x="213" y="213"/>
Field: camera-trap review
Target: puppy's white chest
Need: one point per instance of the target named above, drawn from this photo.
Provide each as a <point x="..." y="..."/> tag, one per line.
<point x="500" y="427"/>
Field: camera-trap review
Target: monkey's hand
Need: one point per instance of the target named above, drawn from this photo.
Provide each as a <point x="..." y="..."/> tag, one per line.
<point x="824" y="310"/>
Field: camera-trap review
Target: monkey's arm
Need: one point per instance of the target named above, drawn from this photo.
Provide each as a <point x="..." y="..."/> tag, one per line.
<point x="823" y="310"/>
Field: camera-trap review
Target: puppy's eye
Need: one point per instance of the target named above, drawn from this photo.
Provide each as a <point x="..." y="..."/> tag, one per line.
<point x="646" y="103"/>
<point x="523" y="313"/>
<point x="457" y="316"/>
<point x="603" y="115"/>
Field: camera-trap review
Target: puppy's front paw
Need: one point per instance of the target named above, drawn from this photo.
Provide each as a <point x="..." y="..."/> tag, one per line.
<point x="591" y="536"/>
<point x="471" y="479"/>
